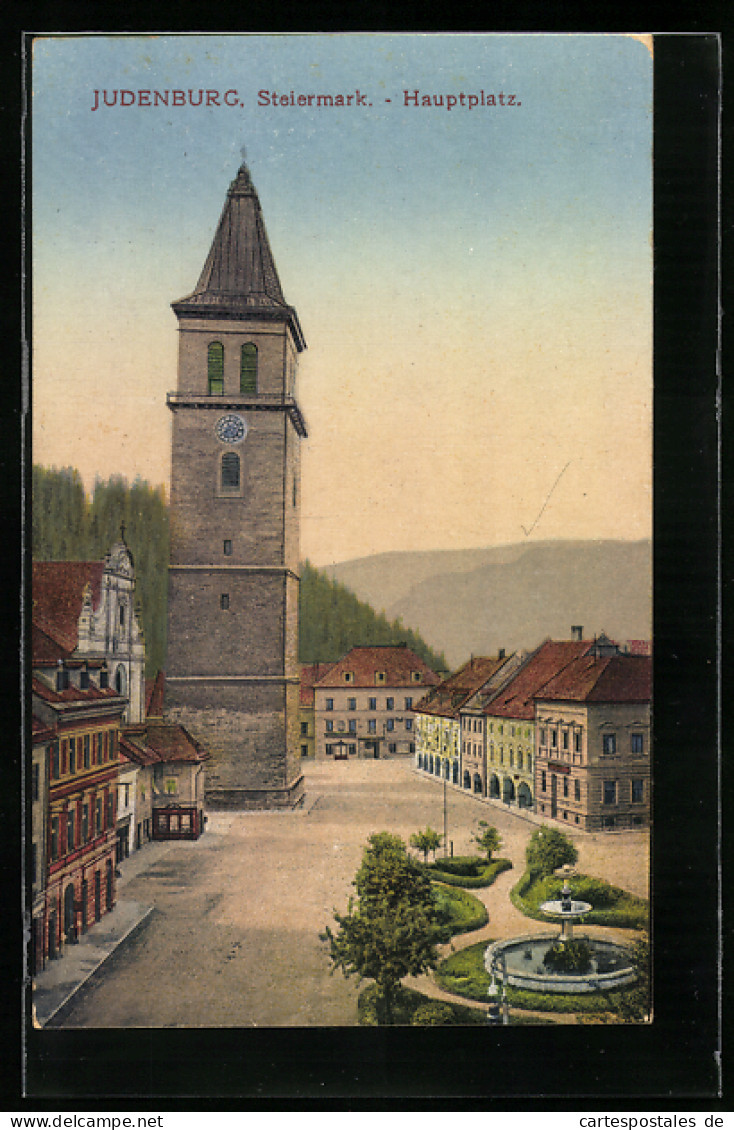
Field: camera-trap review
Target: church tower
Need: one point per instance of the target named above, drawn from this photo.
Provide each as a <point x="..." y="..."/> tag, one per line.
<point x="232" y="666"/>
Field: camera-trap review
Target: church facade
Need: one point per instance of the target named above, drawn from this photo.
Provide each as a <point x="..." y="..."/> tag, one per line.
<point x="232" y="675"/>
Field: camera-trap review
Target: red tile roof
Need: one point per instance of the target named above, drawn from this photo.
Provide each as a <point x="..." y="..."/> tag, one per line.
<point x="56" y="589"/>
<point x="154" y="692"/>
<point x="448" y="698"/>
<point x="40" y="731"/>
<point x="516" y="699"/>
<point x="173" y="743"/>
<point x="310" y="674"/>
<point x="45" y="649"/>
<point x="617" y="678"/>
<point x="396" y="661"/>
<point x="75" y="694"/>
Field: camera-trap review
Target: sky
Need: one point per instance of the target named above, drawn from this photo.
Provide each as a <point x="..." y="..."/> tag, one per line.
<point x="474" y="281"/>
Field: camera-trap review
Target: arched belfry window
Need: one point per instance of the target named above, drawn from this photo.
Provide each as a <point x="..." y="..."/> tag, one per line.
<point x="215" y="368"/>
<point x="248" y="368"/>
<point x="230" y="471"/>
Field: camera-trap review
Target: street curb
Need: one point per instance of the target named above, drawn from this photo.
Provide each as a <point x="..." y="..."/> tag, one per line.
<point x="60" y="1009"/>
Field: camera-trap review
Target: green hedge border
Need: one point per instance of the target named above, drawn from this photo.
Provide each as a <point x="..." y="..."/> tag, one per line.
<point x="477" y="913"/>
<point x="485" y="879"/>
<point x="623" y="919"/>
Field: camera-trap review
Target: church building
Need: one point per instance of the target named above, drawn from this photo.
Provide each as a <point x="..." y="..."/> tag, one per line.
<point x="232" y="675"/>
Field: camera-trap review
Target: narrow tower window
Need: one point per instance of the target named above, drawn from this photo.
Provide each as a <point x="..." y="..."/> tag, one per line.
<point x="248" y="368"/>
<point x="224" y="601"/>
<point x="215" y="368"/>
<point x="230" y="471"/>
<point x="227" y="548"/>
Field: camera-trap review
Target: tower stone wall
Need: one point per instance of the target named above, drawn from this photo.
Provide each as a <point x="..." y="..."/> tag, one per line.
<point x="232" y="664"/>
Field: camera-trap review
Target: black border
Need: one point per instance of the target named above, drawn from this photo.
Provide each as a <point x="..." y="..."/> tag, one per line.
<point x="672" y="1061"/>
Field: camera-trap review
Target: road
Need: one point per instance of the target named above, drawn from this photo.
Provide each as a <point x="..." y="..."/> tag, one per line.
<point x="234" y="937"/>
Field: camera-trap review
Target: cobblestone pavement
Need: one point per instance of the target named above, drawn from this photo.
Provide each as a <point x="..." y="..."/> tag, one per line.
<point x="233" y="939"/>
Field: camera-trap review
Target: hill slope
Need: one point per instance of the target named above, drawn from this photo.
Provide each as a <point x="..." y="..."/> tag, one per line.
<point x="477" y="600"/>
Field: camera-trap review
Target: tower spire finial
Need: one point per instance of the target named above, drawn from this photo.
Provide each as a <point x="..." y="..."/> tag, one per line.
<point x="122" y="530"/>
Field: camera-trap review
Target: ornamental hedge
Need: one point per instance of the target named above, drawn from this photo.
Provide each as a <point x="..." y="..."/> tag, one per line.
<point x="466" y="871"/>
<point x="611" y="906"/>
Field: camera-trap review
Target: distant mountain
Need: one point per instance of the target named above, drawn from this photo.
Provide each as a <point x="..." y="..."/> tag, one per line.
<point x="511" y="596"/>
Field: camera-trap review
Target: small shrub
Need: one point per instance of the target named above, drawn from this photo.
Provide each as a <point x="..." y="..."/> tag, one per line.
<point x="568" y="956"/>
<point x="458" y="912"/>
<point x="433" y="1013"/>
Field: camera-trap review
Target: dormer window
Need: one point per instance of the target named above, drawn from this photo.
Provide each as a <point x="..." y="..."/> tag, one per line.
<point x="215" y="368"/>
<point x="349" y="676"/>
<point x="415" y="676"/>
<point x="248" y="368"/>
<point x="380" y="676"/>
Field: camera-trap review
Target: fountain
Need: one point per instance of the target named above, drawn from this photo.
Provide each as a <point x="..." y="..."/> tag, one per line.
<point x="560" y="963"/>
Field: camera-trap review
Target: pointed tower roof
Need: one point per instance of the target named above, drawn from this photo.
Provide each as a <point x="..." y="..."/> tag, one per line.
<point x="239" y="276"/>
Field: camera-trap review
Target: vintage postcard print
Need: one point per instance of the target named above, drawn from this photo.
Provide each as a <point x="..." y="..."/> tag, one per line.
<point x="342" y="393"/>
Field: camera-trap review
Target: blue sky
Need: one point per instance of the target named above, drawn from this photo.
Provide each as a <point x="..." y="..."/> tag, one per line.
<point x="474" y="284"/>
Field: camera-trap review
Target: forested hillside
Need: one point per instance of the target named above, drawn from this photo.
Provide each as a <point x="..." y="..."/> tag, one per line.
<point x="332" y="620"/>
<point x="67" y="526"/>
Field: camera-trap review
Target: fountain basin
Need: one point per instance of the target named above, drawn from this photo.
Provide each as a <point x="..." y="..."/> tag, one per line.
<point x="519" y="961"/>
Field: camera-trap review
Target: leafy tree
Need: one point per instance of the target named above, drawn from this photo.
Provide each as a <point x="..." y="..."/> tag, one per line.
<point x="547" y="850"/>
<point x="392" y="930"/>
<point x="425" y="841"/>
<point x="568" y="955"/>
<point x="488" y="840"/>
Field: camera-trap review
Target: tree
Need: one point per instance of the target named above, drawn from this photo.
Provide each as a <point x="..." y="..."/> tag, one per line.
<point x="488" y="839"/>
<point x="392" y="931"/>
<point x="632" y="1005"/>
<point x="425" y="841"/>
<point x="547" y="850"/>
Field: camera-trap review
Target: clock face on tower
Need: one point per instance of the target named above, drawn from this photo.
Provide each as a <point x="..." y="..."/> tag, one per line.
<point x="231" y="428"/>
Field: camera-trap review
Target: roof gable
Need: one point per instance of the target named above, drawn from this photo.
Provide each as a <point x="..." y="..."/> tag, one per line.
<point x="618" y="678"/>
<point x="57" y="590"/>
<point x="516" y="699"/>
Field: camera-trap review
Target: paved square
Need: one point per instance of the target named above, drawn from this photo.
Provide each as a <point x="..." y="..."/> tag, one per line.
<point x="234" y="937"/>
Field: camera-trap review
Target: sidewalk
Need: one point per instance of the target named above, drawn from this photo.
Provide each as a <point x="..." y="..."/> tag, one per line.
<point x="55" y="985"/>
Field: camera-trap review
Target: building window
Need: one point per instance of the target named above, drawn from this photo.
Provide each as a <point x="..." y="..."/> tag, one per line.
<point x="391" y="724"/>
<point x="373" y="704"/>
<point x="171" y="786"/>
<point x="98" y="815"/>
<point x="543" y="737"/>
<point x="351" y="704"/>
<point x="329" y="726"/>
<point x="55" y="762"/>
<point x="110" y="809"/>
<point x="371" y="726"/>
<point x="329" y="704"/>
<point x="609" y="794"/>
<point x="379" y="676"/>
<point x="409" y="704"/>
<point x="227" y="548"/>
<point x="86" y="751"/>
<point x="638" y="791"/>
<point x="36" y="786"/>
<point x="224" y="601"/>
<point x="352" y="725"/>
<point x="577" y="741"/>
<point x="565" y="739"/>
<point x="230" y="471"/>
<point x="577" y="790"/>
<point x="392" y="747"/>
<point x="530" y="762"/>
<point x="349" y="676"/>
<point x="609" y="743"/>
<point x="55" y="837"/>
<point x="329" y="750"/>
<point x="519" y="759"/>
<point x="415" y="676"/>
<point x="215" y="368"/>
<point x="542" y="780"/>
<point x="554" y="739"/>
<point x="304" y="729"/>
<point x="85" y="823"/>
<point x="565" y="786"/>
<point x="304" y="751"/>
<point x="248" y="368"/>
<point x="70" y="830"/>
<point x="352" y="749"/>
<point x="408" y="723"/>
<point x="390" y="704"/>
<point x="637" y="744"/>
<point x="72" y="755"/>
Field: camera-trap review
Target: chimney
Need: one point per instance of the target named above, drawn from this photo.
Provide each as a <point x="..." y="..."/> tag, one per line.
<point x="501" y="653"/>
<point x="577" y="632"/>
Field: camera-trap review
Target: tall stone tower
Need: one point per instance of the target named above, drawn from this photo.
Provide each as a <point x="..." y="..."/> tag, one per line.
<point x="232" y="666"/>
